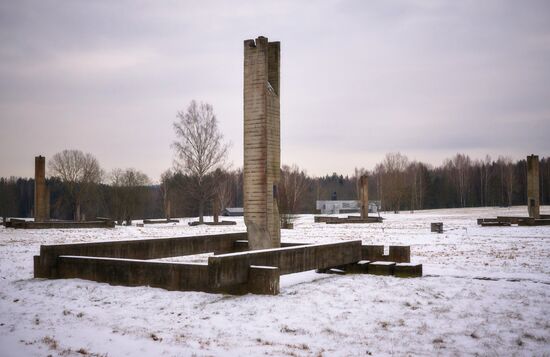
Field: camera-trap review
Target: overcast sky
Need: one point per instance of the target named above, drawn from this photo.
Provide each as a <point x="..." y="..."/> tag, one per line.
<point x="358" y="79"/>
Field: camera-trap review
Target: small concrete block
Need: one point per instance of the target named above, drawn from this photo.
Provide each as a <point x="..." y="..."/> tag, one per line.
<point x="361" y="267"/>
<point x="381" y="268"/>
<point x="408" y="270"/>
<point x="263" y="280"/>
<point x="437" y="227"/>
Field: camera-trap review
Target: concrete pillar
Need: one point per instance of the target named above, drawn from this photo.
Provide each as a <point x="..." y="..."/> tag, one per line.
<point x="41" y="197"/>
<point x="533" y="194"/>
<point x="364" y="194"/>
<point x="262" y="152"/>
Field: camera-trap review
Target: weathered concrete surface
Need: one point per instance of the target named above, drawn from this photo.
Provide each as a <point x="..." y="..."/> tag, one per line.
<point x="533" y="193"/>
<point x="232" y="269"/>
<point x="129" y="262"/>
<point x="364" y="193"/>
<point x="486" y="220"/>
<point x="127" y="272"/>
<point x="382" y="268"/>
<point x="136" y="249"/>
<point x="495" y="224"/>
<point x="41" y="193"/>
<point x="262" y="153"/>
<point x="436" y="227"/>
<point x="534" y="222"/>
<point x="397" y="253"/>
<point x="408" y="270"/>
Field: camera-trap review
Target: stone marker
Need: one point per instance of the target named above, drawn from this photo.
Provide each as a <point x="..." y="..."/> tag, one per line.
<point x="533" y="195"/>
<point x="262" y="152"/>
<point x="41" y="196"/>
<point x="436" y="227"/>
<point x="364" y="193"/>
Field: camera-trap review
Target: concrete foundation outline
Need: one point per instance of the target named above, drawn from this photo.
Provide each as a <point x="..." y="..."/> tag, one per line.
<point x="245" y="262"/>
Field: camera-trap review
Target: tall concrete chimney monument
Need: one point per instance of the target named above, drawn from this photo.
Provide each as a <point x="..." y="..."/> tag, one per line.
<point x="364" y="193"/>
<point x="41" y="194"/>
<point x="533" y="194"/>
<point x="262" y="143"/>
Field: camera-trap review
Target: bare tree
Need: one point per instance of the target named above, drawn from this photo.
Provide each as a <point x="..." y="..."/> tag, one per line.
<point x="128" y="193"/>
<point x="166" y="190"/>
<point x="292" y="187"/>
<point x="224" y="188"/>
<point x="460" y="169"/>
<point x="392" y="180"/>
<point x="416" y="182"/>
<point x="484" y="177"/>
<point x="506" y="170"/>
<point x="200" y="149"/>
<point x="79" y="172"/>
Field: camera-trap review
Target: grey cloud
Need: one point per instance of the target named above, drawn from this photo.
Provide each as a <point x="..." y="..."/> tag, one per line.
<point x="358" y="78"/>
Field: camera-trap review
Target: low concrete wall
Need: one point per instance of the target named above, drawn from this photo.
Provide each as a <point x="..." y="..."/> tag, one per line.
<point x="232" y="269"/>
<point x="137" y="249"/>
<point x="130" y="262"/>
<point x="170" y="276"/>
<point x="349" y="219"/>
<point x="59" y="225"/>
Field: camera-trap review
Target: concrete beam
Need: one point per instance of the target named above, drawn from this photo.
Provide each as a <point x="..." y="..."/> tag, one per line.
<point x="130" y="272"/>
<point x="232" y="269"/>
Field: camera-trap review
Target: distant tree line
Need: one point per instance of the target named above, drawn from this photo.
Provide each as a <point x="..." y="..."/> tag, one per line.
<point x="201" y="183"/>
<point x="400" y="184"/>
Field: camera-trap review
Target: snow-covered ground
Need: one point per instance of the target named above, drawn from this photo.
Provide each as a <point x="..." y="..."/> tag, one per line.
<point x="485" y="291"/>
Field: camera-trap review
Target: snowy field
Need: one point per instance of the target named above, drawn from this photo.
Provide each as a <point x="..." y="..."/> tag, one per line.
<point x="485" y="291"/>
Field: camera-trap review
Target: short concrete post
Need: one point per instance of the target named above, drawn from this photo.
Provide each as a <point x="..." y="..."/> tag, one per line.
<point x="437" y="227"/>
<point x="263" y="280"/>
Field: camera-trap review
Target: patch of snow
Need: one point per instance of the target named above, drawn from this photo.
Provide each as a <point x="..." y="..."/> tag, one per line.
<point x="485" y="291"/>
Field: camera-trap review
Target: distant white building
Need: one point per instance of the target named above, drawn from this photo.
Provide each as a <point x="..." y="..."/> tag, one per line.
<point x="351" y="206"/>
